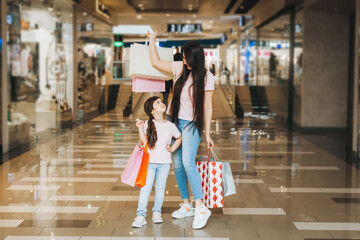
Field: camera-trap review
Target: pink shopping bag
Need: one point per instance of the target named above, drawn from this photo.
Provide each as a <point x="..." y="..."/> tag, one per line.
<point x="147" y="85"/>
<point x="128" y="176"/>
<point x="212" y="182"/>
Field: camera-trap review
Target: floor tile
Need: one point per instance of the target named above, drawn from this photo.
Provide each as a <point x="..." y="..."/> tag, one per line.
<point x="40" y="238"/>
<point x="68" y="209"/>
<point x="10" y="222"/>
<point x="77" y="198"/>
<point x="330" y="226"/>
<point x="72" y="179"/>
<point x="99" y="172"/>
<point x="254" y="211"/>
<point x="319" y="168"/>
<point x="248" y="181"/>
<point x="33" y="187"/>
<point x="14" y="209"/>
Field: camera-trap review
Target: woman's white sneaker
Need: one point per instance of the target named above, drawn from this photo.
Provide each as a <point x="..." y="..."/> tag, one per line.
<point x="202" y="215"/>
<point x="157" y="217"/>
<point x="139" y="222"/>
<point x="186" y="210"/>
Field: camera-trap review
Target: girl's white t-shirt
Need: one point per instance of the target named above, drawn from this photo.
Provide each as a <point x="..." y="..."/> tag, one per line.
<point x="186" y="111"/>
<point x="165" y="132"/>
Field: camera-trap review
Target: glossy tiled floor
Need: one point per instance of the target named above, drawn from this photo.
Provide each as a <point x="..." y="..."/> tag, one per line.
<point x="287" y="188"/>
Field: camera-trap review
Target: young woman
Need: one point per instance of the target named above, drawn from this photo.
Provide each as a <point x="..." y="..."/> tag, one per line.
<point x="191" y="110"/>
<point x="158" y="133"/>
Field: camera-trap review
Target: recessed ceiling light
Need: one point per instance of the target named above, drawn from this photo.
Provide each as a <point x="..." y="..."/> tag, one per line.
<point x="140" y="5"/>
<point x="138" y="16"/>
<point x="51" y="7"/>
<point x="84" y="13"/>
<point x="194" y="16"/>
<point x="168" y="15"/>
<point x="188" y="21"/>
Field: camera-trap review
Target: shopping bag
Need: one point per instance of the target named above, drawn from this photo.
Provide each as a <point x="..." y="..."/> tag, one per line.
<point x="211" y="182"/>
<point x="228" y="179"/>
<point x="147" y="85"/>
<point x="129" y="175"/>
<point x="140" y="62"/>
<point x="141" y="177"/>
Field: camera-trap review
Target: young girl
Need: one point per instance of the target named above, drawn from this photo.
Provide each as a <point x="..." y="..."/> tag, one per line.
<point x="158" y="132"/>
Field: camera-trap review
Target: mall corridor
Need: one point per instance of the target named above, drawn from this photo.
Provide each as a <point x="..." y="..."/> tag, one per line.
<point x="283" y="77"/>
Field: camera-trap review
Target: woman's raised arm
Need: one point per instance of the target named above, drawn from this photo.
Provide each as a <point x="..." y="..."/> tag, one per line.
<point x="155" y="60"/>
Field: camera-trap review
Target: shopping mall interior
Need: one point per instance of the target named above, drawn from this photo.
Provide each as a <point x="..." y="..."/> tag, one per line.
<point x="285" y="117"/>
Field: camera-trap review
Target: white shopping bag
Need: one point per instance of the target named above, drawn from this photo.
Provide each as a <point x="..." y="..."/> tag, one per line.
<point x="228" y="179"/>
<point x="140" y="62"/>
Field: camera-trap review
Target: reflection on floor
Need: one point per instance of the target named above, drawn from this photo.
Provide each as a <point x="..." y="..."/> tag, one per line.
<point x="287" y="188"/>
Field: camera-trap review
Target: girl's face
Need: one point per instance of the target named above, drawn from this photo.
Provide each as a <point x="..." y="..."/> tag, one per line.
<point x="158" y="106"/>
<point x="184" y="60"/>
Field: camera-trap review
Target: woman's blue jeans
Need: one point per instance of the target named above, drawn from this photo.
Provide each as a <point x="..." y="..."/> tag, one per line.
<point x="184" y="161"/>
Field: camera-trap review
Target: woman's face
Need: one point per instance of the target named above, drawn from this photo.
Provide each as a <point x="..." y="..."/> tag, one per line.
<point x="184" y="60"/>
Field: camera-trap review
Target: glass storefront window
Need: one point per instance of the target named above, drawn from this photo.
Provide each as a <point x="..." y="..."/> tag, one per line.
<point x="273" y="52"/>
<point x="248" y="57"/>
<point x="95" y="57"/>
<point x="298" y="65"/>
<point x="40" y="72"/>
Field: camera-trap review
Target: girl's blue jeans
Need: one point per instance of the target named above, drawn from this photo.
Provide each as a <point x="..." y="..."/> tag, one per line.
<point x="161" y="171"/>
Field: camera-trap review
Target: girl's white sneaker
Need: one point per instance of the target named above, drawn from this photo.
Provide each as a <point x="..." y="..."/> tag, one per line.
<point x="157" y="217"/>
<point x="139" y="222"/>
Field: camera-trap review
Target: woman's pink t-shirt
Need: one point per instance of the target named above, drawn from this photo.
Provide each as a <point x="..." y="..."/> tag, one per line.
<point x="186" y="111"/>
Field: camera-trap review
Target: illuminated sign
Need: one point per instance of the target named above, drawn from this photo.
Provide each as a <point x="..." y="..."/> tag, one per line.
<point x="184" y="28"/>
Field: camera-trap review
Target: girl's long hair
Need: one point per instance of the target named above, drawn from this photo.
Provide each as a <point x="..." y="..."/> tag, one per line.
<point x="195" y="58"/>
<point x="151" y="129"/>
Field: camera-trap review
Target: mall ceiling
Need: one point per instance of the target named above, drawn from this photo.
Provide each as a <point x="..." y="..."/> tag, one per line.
<point x="216" y="16"/>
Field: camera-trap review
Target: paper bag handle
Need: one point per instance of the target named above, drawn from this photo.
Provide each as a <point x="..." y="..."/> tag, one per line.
<point x="216" y="159"/>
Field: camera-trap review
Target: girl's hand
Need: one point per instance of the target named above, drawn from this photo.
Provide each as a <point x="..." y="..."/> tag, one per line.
<point x="169" y="148"/>
<point x="152" y="35"/>
<point x="210" y="142"/>
<point x="139" y="123"/>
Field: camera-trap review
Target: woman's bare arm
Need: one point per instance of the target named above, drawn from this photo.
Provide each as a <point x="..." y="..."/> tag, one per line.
<point x="162" y="65"/>
<point x="208" y="109"/>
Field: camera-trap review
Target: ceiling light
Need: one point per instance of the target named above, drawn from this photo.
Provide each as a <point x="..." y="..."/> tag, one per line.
<point x="194" y="16"/>
<point x="140" y="5"/>
<point x="51" y="7"/>
<point x="188" y="21"/>
<point x="168" y="15"/>
<point x="138" y="16"/>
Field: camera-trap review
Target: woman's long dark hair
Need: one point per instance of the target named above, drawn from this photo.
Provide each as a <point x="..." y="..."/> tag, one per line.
<point x="151" y="129"/>
<point x="195" y="58"/>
